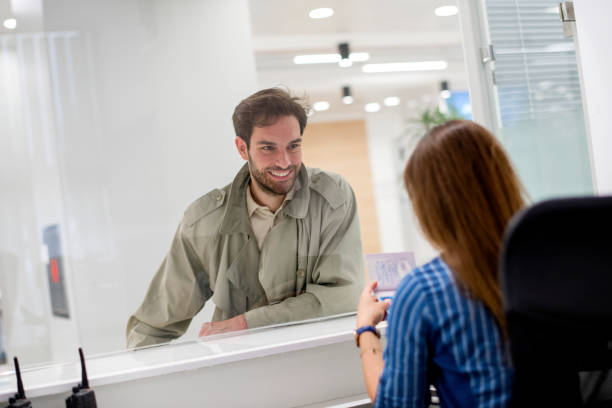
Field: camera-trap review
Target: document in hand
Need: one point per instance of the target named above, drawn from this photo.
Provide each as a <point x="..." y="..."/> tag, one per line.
<point x="388" y="270"/>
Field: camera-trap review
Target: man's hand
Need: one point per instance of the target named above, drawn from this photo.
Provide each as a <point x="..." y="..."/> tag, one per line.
<point x="235" y="323"/>
<point x="370" y="310"/>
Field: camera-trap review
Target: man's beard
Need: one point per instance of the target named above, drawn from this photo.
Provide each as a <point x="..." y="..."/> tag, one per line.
<point x="270" y="186"/>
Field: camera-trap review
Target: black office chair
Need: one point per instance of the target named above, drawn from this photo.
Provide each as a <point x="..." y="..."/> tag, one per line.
<point x="556" y="278"/>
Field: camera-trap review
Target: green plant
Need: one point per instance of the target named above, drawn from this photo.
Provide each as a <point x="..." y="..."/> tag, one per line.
<point x="432" y="117"/>
<point x="420" y="126"/>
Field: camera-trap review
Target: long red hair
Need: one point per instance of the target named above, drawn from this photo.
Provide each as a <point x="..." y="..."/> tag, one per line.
<point x="464" y="191"/>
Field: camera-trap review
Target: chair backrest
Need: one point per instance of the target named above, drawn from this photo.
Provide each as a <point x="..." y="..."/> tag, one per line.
<point x="556" y="278"/>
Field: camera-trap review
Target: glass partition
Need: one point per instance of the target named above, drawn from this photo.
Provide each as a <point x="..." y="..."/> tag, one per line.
<point x="112" y="122"/>
<point x="115" y="116"/>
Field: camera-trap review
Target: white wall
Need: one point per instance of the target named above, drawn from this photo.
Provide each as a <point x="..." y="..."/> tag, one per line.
<point x="595" y="60"/>
<point x="136" y="124"/>
<point x="398" y="227"/>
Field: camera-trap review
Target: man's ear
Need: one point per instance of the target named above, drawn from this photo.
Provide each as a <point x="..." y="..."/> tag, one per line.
<point x="242" y="148"/>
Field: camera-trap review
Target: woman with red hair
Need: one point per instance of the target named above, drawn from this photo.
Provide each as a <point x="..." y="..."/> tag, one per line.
<point x="446" y="326"/>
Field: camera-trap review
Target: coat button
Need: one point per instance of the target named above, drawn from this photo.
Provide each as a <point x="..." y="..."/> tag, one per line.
<point x="218" y="196"/>
<point x="300" y="273"/>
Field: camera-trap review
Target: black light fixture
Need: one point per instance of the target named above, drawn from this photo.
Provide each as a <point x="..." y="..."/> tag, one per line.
<point x="343" y="49"/>
<point x="444" y="91"/>
<point x="347" y="98"/>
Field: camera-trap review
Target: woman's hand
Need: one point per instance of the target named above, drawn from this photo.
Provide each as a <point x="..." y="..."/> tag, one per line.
<point x="370" y="311"/>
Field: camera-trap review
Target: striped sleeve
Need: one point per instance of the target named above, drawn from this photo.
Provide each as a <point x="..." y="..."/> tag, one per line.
<point x="404" y="379"/>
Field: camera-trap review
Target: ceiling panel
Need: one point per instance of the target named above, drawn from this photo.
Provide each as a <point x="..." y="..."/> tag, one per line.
<point x="389" y="30"/>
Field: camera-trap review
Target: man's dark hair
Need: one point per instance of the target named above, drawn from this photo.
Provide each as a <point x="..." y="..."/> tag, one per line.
<point x="263" y="108"/>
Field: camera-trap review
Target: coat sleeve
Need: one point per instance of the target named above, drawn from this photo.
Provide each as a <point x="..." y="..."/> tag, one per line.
<point x="335" y="275"/>
<point x="176" y="294"/>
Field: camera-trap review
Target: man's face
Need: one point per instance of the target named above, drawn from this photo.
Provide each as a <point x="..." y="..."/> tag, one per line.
<point x="274" y="155"/>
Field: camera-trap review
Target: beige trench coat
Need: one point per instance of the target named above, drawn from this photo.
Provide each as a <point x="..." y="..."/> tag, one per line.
<point x="214" y="254"/>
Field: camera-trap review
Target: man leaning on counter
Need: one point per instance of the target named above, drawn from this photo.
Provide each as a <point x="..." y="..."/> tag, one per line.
<point x="280" y="243"/>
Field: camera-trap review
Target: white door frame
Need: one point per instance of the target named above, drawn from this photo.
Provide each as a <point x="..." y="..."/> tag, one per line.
<point x="594" y="64"/>
<point x="475" y="36"/>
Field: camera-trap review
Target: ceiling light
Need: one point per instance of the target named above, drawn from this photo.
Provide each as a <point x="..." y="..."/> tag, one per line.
<point x="316" y="58"/>
<point x="359" y="56"/>
<point x="10" y="23"/>
<point x="324" y="12"/>
<point x="372" y="107"/>
<point x="329" y="58"/>
<point x="320" y="106"/>
<point x="446" y="11"/>
<point x="405" y="66"/>
<point x="347" y="98"/>
<point x="392" y="101"/>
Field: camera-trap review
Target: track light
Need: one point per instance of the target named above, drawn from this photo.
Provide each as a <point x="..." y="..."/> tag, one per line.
<point x="347" y="98"/>
<point x="444" y="92"/>
<point x="343" y="50"/>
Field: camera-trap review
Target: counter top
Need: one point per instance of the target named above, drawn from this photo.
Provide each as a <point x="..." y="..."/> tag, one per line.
<point x="174" y="357"/>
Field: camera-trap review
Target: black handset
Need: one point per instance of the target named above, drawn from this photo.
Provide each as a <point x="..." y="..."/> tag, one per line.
<point x="19" y="400"/>
<point x="82" y="396"/>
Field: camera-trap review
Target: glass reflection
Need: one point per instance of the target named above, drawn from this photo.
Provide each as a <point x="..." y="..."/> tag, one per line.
<point x="280" y="243"/>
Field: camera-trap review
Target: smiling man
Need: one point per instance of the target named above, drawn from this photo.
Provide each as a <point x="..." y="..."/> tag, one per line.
<point x="280" y="243"/>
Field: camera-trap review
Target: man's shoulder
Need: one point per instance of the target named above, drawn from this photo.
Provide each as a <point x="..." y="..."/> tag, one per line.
<point x="205" y="206"/>
<point x="331" y="186"/>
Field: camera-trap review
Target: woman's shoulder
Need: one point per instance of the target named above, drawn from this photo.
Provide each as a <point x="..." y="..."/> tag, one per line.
<point x="417" y="292"/>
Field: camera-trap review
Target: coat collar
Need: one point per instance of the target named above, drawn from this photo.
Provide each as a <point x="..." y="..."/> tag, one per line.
<point x="236" y="218"/>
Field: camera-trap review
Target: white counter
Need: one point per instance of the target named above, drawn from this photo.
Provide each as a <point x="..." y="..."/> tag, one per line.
<point x="294" y="365"/>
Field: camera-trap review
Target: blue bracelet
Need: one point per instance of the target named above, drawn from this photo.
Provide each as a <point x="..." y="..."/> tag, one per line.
<point x="364" y="329"/>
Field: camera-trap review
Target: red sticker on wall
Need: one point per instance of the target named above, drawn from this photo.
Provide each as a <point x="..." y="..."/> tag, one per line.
<point x="54" y="271"/>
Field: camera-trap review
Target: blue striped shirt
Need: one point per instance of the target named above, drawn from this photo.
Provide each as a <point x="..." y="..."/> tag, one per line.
<point x="437" y="335"/>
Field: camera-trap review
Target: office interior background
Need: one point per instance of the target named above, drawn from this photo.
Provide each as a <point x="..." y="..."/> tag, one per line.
<point x="115" y="115"/>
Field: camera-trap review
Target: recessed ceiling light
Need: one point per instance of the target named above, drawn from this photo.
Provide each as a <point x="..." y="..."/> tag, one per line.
<point x="320" y="106"/>
<point x="405" y="66"/>
<point x="391" y="101"/>
<point x="344" y="63"/>
<point x="324" y="12"/>
<point x="316" y="58"/>
<point x="372" y="107"/>
<point x="359" y="56"/>
<point x="329" y="58"/>
<point x="10" y="23"/>
<point x="446" y="11"/>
